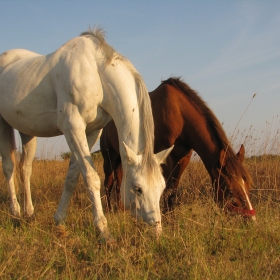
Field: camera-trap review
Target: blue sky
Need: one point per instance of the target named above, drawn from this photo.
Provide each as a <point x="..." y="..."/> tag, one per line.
<point x="225" y="50"/>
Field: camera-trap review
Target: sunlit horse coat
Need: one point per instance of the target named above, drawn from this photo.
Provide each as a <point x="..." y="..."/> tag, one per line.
<point x="75" y="91"/>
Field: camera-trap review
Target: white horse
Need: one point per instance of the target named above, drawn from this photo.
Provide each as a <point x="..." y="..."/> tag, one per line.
<point x="75" y="91"/>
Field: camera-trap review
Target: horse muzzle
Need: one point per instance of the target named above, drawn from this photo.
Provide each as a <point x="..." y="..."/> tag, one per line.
<point x="246" y="213"/>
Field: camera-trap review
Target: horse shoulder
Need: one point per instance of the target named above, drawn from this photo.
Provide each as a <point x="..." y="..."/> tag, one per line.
<point x="168" y="107"/>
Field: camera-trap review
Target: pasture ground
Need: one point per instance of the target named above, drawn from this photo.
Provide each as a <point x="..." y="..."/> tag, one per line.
<point x="199" y="240"/>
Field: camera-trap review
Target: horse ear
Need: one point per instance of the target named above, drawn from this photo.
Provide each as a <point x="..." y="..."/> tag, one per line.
<point x="241" y="154"/>
<point x="223" y="158"/>
<point x="161" y="156"/>
<point x="132" y="158"/>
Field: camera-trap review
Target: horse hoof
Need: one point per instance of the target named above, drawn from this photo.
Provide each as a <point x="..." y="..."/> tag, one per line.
<point x="29" y="212"/>
<point x="29" y="219"/>
<point x="61" y="231"/>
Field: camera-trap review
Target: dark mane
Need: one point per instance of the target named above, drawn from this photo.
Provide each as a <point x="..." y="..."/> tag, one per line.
<point x="202" y="107"/>
<point x="233" y="166"/>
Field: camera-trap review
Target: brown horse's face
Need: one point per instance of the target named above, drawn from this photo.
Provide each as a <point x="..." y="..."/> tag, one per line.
<point x="232" y="186"/>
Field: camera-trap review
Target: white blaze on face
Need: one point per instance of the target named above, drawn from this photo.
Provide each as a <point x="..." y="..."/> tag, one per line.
<point x="247" y="199"/>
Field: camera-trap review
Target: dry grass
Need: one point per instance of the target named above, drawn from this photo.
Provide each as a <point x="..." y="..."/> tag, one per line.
<point x="199" y="241"/>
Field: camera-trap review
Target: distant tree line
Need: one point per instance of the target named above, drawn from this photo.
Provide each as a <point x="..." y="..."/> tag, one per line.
<point x="264" y="157"/>
<point x="95" y="155"/>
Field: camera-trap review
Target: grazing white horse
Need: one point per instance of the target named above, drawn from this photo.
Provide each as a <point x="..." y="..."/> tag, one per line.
<point x="75" y="91"/>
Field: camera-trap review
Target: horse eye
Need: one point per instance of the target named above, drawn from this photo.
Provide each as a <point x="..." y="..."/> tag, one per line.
<point x="138" y="190"/>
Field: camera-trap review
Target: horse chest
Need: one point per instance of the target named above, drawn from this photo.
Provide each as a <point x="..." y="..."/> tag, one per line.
<point x="98" y="120"/>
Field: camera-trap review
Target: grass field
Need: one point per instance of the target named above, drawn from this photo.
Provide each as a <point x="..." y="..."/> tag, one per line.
<point x="199" y="240"/>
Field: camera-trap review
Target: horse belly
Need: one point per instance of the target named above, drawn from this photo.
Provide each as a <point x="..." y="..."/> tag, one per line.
<point x="41" y="125"/>
<point x="32" y="114"/>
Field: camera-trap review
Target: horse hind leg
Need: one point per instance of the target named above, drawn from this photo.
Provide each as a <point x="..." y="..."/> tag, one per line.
<point x="119" y="176"/>
<point x="108" y="184"/>
<point x="113" y="174"/>
<point x="29" y="144"/>
<point x="7" y="150"/>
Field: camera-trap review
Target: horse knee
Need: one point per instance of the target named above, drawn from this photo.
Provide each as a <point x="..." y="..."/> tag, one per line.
<point x="71" y="179"/>
<point x="8" y="167"/>
<point x="70" y="183"/>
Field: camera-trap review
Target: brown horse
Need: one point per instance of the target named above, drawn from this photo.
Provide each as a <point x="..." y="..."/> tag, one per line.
<point x="184" y="120"/>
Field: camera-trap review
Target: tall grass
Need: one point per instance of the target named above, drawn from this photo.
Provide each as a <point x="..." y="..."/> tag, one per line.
<point x="199" y="240"/>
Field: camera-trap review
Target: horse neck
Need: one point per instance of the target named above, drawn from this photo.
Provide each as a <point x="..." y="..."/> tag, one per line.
<point x="209" y="156"/>
<point x="122" y="104"/>
<point x="203" y="133"/>
<point x="205" y="144"/>
<point x="128" y="124"/>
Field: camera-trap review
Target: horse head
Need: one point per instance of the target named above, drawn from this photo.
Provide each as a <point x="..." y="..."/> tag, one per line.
<point x="233" y="182"/>
<point x="141" y="189"/>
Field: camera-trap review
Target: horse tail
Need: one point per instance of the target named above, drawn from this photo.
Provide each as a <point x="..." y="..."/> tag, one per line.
<point x="12" y="143"/>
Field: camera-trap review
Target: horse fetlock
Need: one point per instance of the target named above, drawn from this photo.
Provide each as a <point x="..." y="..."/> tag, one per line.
<point x="158" y="231"/>
<point x="15" y="209"/>
<point x="101" y="224"/>
<point x="158" y="228"/>
<point x="58" y="218"/>
<point x="29" y="210"/>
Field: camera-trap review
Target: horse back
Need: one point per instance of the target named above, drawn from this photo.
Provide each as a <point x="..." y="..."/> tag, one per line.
<point x="11" y="56"/>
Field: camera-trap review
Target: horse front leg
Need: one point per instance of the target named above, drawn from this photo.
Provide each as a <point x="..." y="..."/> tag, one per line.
<point x="71" y="181"/>
<point x="174" y="176"/>
<point x="82" y="162"/>
<point x="29" y="144"/>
